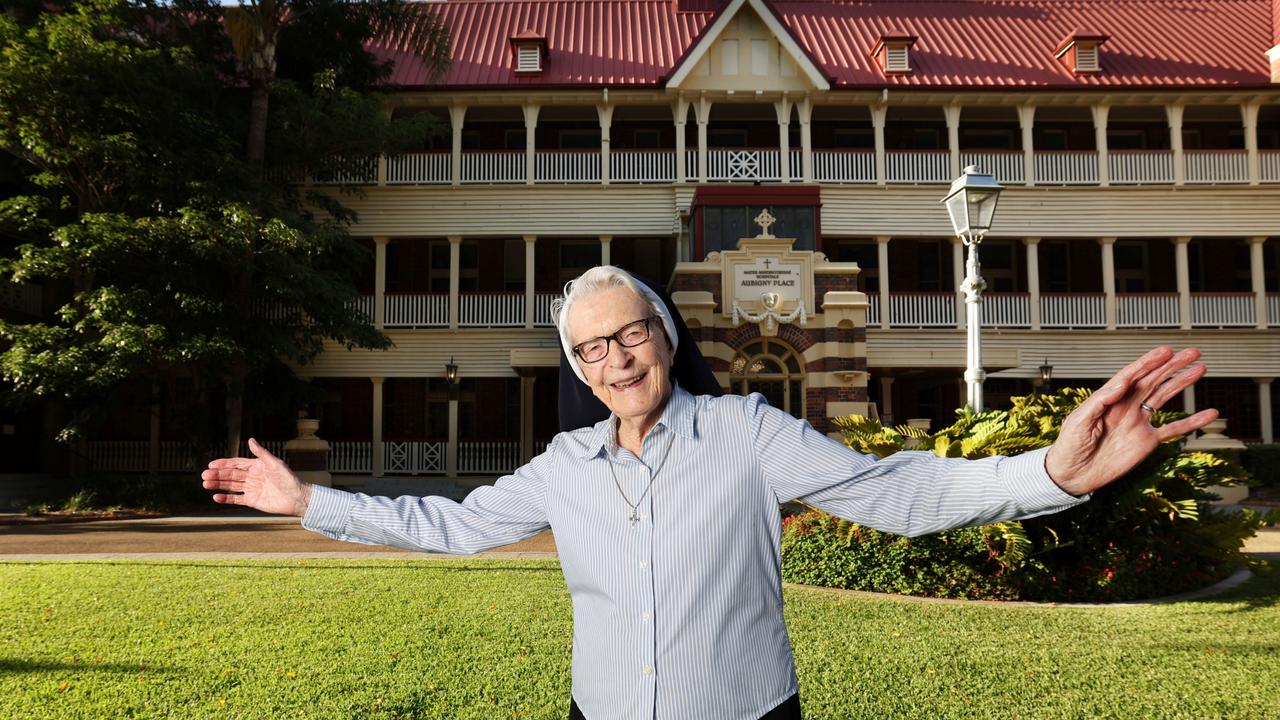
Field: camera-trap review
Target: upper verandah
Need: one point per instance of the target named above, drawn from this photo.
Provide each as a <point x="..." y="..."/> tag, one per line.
<point x="960" y="43"/>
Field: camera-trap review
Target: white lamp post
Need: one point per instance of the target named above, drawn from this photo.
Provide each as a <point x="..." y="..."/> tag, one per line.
<point x="971" y="203"/>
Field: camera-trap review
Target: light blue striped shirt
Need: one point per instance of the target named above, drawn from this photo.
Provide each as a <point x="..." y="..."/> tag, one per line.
<point x="680" y="615"/>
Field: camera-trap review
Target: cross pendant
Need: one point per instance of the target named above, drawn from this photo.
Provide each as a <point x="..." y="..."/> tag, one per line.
<point x="634" y="518"/>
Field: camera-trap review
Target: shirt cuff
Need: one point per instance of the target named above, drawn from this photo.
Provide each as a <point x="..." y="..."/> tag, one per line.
<point x="328" y="509"/>
<point x="1030" y="485"/>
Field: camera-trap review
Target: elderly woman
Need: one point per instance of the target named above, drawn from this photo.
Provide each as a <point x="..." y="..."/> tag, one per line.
<point x="666" y="517"/>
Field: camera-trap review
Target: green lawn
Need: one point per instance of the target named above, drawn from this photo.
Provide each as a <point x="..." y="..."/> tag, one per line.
<point x="489" y="639"/>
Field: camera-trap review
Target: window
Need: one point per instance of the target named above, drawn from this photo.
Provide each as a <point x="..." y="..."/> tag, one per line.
<point x="1131" y="266"/>
<point x="726" y="138"/>
<point x="513" y="139"/>
<point x="855" y="138"/>
<point x="648" y="138"/>
<point x="580" y="139"/>
<point x="1055" y="266"/>
<point x="576" y="257"/>
<point x="999" y="266"/>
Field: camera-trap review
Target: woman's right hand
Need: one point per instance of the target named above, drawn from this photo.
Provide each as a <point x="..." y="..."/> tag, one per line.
<point x="262" y="482"/>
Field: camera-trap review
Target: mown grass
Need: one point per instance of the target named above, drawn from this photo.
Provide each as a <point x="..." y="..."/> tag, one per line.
<point x="491" y="639"/>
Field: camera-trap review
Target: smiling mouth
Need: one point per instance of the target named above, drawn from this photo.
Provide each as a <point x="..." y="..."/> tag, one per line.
<point x="628" y="384"/>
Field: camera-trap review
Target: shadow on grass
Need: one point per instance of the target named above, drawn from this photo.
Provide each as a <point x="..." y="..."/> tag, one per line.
<point x="1262" y="592"/>
<point x="14" y="666"/>
<point x="147" y="528"/>
<point x="408" y="563"/>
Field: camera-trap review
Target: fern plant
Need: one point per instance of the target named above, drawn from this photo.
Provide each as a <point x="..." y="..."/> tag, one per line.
<point x="1152" y="532"/>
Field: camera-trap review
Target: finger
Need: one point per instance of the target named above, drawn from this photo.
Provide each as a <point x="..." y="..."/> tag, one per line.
<point x="237" y="463"/>
<point x="1181" y="380"/>
<point x="260" y="451"/>
<point x="1147" y="385"/>
<point x="231" y="474"/>
<point x="226" y="499"/>
<point x="1186" y="425"/>
<point x="1119" y="385"/>
<point x="223" y="485"/>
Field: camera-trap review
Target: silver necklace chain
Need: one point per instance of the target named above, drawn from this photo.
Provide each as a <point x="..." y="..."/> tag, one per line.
<point x="635" y="507"/>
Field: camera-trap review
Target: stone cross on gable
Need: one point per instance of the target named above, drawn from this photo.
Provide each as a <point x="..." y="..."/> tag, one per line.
<point x="764" y="220"/>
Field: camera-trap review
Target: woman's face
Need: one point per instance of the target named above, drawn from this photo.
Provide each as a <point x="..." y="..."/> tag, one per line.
<point x="633" y="382"/>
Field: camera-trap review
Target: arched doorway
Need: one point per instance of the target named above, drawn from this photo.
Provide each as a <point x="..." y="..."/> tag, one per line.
<point x="773" y="369"/>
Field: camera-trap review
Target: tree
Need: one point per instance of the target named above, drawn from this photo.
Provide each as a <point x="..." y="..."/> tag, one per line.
<point x="179" y="251"/>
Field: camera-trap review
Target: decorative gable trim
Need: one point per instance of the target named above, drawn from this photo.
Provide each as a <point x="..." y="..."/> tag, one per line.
<point x="713" y="31"/>
<point x="1079" y="52"/>
<point x="529" y="52"/>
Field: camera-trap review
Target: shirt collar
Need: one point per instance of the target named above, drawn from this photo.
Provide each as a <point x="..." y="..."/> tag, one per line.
<point x="677" y="416"/>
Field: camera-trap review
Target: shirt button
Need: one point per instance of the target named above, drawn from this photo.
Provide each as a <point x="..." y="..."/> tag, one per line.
<point x="646" y="616"/>
<point x="644" y="564"/>
<point x="648" y="669"/>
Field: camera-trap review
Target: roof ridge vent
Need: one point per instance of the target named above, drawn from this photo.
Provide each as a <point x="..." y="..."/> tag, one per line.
<point x="892" y="51"/>
<point x="530" y="49"/>
<point x="1079" y="51"/>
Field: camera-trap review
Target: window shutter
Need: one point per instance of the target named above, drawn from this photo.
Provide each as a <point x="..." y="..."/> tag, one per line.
<point x="895" y="59"/>
<point x="1086" y="58"/>
<point x="528" y="59"/>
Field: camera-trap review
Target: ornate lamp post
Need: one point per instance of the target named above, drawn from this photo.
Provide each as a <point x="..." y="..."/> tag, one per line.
<point x="971" y="203"/>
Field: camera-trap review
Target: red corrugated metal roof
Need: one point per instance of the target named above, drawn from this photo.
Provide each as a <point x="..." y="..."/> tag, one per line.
<point x="1011" y="42"/>
<point x="589" y="43"/>
<point x="962" y="43"/>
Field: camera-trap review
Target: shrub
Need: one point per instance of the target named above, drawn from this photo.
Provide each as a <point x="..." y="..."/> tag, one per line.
<point x="1150" y="533"/>
<point x="1263" y="463"/>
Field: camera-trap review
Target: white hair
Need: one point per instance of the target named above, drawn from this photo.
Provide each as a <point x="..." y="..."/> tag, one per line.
<point x="599" y="279"/>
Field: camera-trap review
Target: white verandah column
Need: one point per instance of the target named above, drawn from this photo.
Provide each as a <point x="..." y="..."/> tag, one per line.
<point x="1109" y="280"/>
<point x="680" y="114"/>
<point x="1259" y="285"/>
<point x="1100" y="113"/>
<point x="783" y="110"/>
<point x="530" y="312"/>
<point x="379" y="282"/>
<point x="457" y="116"/>
<point x="530" y="143"/>
<point x="1033" y="280"/>
<point x="882" y="272"/>
<point x="1026" y="121"/>
<point x="375" y="446"/>
<point x="1183" y="269"/>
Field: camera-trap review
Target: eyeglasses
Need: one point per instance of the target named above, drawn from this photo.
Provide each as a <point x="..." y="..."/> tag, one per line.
<point x="631" y="335"/>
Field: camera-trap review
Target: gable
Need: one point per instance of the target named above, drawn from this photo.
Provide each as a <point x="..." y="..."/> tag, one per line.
<point x="746" y="49"/>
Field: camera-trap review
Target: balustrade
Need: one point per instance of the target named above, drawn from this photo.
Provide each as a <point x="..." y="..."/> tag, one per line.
<point x="350" y="457"/>
<point x="348" y="170"/>
<point x="542" y="309"/>
<point x="1269" y="165"/>
<point x="922" y="309"/>
<point x="743" y="164"/>
<point x="1073" y="310"/>
<point x="491" y="309"/>
<point x="873" y="310"/>
<point x="493" y="166"/>
<point x="488" y="457"/>
<point x="1217" y="166"/>
<point x="416" y="310"/>
<point x="642" y="166"/>
<point x="567" y="166"/>
<point x="1147" y="310"/>
<point x="1007" y="166"/>
<point x="1140" y="166"/>
<point x="1222" y="309"/>
<point x="413" y="457"/>
<point x="1006" y="309"/>
<point x="1067" y="167"/>
<point x="844" y="166"/>
<point x="420" y="168"/>
<point x="1273" y="309"/>
<point x="918" y="166"/>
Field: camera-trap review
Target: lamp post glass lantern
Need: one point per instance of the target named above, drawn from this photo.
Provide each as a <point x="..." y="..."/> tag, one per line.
<point x="971" y="203"/>
<point x="1046" y="376"/>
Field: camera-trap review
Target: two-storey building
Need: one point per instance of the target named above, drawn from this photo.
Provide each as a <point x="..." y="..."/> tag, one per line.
<point x="1138" y="141"/>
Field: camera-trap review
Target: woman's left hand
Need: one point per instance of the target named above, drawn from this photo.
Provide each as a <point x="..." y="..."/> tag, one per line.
<point x="1110" y="433"/>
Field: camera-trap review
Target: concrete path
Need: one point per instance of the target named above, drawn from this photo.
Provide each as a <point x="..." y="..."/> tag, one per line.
<point x="212" y="537"/>
<point x="253" y="536"/>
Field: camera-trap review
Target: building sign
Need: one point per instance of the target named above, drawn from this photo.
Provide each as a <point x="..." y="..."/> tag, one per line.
<point x="769" y="275"/>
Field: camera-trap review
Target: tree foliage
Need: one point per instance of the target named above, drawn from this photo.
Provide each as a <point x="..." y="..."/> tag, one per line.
<point x="173" y="250"/>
